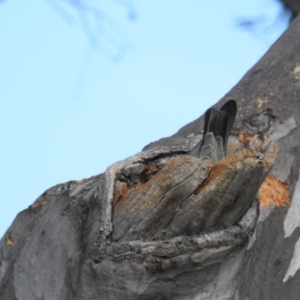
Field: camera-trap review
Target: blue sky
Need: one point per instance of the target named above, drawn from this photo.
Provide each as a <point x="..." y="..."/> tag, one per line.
<point x="75" y="99"/>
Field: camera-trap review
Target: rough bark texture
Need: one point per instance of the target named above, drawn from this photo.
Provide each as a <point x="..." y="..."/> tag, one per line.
<point x="163" y="225"/>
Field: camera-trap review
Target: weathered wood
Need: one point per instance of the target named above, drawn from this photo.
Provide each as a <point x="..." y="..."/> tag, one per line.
<point x="189" y="196"/>
<point x="144" y="228"/>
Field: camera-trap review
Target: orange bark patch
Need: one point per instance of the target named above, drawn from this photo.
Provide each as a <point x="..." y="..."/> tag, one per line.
<point x="95" y="263"/>
<point x="233" y="148"/>
<point x="39" y="202"/>
<point x="121" y="191"/>
<point x="214" y="173"/>
<point x="246" y="139"/>
<point x="220" y="168"/>
<point x="273" y="192"/>
<point x="9" y="240"/>
<point x="158" y="176"/>
<point x="152" y="169"/>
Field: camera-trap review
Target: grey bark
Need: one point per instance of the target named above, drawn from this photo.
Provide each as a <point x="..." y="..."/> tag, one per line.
<point x="164" y="225"/>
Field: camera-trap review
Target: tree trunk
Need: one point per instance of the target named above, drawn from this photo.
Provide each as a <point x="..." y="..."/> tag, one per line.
<point x="165" y="225"/>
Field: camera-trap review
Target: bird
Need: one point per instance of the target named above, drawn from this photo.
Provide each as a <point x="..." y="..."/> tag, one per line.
<point x="217" y="127"/>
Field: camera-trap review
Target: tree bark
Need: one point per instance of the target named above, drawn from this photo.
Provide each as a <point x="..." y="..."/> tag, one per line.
<point x="164" y="225"/>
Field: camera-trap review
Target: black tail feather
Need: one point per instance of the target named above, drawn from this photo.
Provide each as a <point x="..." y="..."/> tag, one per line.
<point x="230" y="109"/>
<point x="219" y="122"/>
